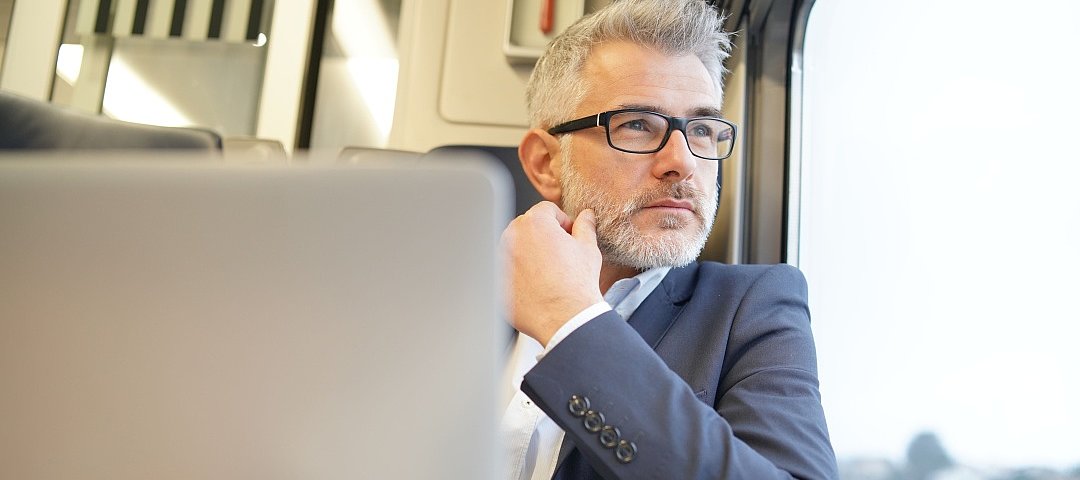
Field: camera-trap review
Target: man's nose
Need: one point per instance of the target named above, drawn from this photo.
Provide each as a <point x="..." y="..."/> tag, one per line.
<point x="674" y="161"/>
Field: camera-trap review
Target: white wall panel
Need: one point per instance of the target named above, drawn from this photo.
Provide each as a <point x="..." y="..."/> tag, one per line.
<point x="197" y="19"/>
<point x="124" y="18"/>
<point x="234" y="25"/>
<point x="286" y="64"/>
<point x="159" y="18"/>
<point x="30" y="56"/>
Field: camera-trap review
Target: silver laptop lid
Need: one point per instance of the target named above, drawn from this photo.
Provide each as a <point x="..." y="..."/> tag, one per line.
<point x="213" y="321"/>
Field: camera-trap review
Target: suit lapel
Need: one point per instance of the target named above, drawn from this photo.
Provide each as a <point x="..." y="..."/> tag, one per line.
<point x="652" y="319"/>
<point x="658" y="312"/>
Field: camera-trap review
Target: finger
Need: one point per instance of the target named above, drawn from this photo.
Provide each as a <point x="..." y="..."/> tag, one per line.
<point x="550" y="210"/>
<point x="584" y="228"/>
<point x="547" y="209"/>
<point x="564" y="219"/>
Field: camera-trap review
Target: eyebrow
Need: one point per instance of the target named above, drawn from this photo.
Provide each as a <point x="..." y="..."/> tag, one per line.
<point x="706" y="112"/>
<point x="697" y="112"/>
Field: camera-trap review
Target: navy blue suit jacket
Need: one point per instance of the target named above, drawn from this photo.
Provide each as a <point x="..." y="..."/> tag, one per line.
<point x="714" y="376"/>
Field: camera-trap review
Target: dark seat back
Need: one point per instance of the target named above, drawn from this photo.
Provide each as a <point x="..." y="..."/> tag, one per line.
<point x="525" y="196"/>
<point x="33" y="124"/>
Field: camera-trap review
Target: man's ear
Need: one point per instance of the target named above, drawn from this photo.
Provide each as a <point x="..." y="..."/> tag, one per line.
<point x="536" y="152"/>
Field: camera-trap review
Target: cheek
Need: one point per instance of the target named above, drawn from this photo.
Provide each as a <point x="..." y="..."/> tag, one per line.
<point x="707" y="176"/>
<point x="709" y="169"/>
<point x="604" y="175"/>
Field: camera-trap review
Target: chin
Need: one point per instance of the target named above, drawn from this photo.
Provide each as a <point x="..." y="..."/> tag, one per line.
<point x="663" y="248"/>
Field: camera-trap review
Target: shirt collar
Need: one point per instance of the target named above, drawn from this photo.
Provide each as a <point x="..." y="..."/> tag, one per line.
<point x="627" y="294"/>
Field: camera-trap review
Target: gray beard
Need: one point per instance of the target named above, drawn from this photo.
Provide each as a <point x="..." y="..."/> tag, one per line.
<point x="621" y="243"/>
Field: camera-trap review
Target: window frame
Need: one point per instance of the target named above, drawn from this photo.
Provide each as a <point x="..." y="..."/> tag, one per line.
<point x="769" y="184"/>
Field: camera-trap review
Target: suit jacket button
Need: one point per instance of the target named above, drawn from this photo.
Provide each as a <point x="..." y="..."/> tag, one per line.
<point x="625" y="451"/>
<point x="594" y="421"/>
<point x="609" y="436"/>
<point x="579" y="404"/>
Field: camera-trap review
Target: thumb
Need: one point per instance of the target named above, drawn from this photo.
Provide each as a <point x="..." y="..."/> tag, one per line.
<point x="584" y="229"/>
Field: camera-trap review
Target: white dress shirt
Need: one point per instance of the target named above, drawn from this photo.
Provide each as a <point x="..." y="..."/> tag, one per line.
<point x="531" y="438"/>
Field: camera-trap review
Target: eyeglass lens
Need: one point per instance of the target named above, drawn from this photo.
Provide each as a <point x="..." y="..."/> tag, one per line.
<point x="642" y="132"/>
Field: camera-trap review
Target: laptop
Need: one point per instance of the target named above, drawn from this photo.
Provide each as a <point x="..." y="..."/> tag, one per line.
<point x="182" y="318"/>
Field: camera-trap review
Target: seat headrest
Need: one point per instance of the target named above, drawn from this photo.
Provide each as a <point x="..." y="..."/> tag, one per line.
<point x="33" y="124"/>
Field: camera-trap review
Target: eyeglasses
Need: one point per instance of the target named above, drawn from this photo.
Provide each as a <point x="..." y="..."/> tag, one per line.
<point x="635" y="130"/>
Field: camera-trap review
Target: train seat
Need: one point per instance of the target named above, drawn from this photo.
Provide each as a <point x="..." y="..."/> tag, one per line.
<point x="32" y="124"/>
<point x="525" y="196"/>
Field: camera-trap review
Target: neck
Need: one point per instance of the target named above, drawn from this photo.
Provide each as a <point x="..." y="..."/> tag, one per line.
<point x="609" y="274"/>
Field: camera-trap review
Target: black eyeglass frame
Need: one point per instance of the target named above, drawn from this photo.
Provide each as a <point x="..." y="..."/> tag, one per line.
<point x="603" y="119"/>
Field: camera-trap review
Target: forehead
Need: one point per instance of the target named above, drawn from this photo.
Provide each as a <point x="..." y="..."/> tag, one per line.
<point x="622" y="74"/>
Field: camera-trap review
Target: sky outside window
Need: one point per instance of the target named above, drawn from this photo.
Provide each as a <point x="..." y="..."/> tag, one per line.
<point x="940" y="234"/>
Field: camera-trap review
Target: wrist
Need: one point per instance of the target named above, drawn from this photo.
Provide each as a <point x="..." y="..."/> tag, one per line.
<point x="575" y="322"/>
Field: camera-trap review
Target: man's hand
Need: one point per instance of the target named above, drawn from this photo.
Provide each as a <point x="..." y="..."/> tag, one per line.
<point x="553" y="269"/>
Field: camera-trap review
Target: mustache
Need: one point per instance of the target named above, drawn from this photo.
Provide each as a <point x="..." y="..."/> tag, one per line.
<point x="677" y="191"/>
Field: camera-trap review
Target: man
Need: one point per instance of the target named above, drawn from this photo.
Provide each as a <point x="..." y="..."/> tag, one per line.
<point x="633" y="361"/>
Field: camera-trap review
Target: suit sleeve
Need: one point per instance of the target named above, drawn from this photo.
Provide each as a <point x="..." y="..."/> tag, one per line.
<point x="767" y="421"/>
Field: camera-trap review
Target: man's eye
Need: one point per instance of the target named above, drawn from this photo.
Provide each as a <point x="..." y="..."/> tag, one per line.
<point x="639" y="125"/>
<point x="701" y="131"/>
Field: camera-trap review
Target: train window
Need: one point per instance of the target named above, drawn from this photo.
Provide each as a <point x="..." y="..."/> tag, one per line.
<point x="938" y="226"/>
<point x="6" y="7"/>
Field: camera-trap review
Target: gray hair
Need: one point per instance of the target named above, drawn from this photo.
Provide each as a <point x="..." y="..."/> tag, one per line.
<point x="675" y="27"/>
